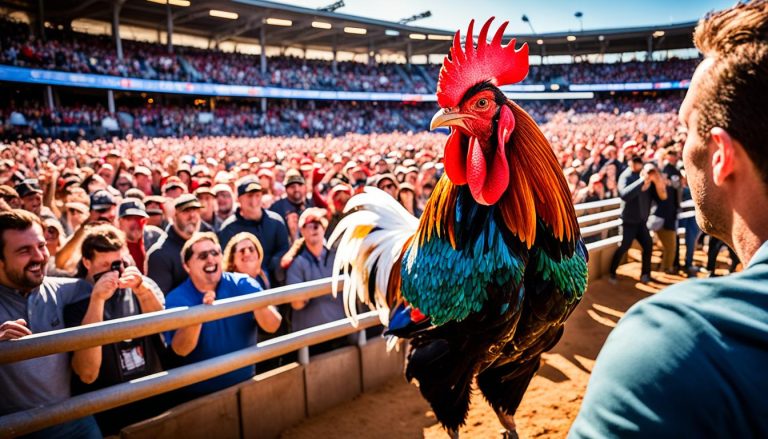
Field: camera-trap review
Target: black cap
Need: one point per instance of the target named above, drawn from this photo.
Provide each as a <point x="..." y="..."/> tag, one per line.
<point x="28" y="187"/>
<point x="132" y="207"/>
<point x="102" y="199"/>
<point x="187" y="201"/>
<point x="247" y="186"/>
<point x="294" y="179"/>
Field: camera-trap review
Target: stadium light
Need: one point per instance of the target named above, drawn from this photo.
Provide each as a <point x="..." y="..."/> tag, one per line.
<point x="223" y="14"/>
<point x="580" y="16"/>
<point x="571" y="38"/>
<point x="332" y="7"/>
<point x="601" y="38"/>
<point x="391" y="33"/>
<point x="182" y="3"/>
<point x="528" y="20"/>
<point x="418" y="36"/>
<point x="412" y="18"/>
<point x="439" y="37"/>
<point x="321" y="25"/>
<point x="539" y="41"/>
<point x="658" y="33"/>
<point x="355" y="30"/>
<point x="278" y="22"/>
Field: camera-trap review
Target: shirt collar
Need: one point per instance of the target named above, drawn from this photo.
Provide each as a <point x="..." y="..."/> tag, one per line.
<point x="760" y="256"/>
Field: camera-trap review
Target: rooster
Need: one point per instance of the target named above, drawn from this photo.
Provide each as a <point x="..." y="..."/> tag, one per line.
<point x="485" y="281"/>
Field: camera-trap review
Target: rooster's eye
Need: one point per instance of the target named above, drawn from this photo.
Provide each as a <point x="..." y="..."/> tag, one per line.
<point x="482" y="103"/>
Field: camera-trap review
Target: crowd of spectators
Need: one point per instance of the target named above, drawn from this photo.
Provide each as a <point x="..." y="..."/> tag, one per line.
<point x="83" y="53"/>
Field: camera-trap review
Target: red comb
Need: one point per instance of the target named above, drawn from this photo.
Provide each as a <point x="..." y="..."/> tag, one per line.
<point x="489" y="62"/>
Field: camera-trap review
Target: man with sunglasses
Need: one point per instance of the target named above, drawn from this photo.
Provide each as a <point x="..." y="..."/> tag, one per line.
<point x="113" y="290"/>
<point x="201" y="256"/>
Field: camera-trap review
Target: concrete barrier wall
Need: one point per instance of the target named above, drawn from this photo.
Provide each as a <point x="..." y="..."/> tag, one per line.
<point x="268" y="404"/>
<point x="214" y="416"/>
<point x="273" y="401"/>
<point x="378" y="365"/>
<point x="332" y="378"/>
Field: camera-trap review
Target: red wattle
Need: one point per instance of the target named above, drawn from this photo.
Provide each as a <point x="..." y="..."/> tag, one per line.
<point x="476" y="170"/>
<point x="455" y="159"/>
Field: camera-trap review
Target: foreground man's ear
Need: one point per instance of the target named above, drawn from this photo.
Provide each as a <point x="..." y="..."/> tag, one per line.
<point x="723" y="158"/>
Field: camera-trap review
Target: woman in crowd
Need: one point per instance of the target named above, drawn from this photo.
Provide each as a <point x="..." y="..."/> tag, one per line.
<point x="244" y="254"/>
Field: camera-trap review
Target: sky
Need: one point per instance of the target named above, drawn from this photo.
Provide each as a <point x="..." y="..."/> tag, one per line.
<point x="545" y="15"/>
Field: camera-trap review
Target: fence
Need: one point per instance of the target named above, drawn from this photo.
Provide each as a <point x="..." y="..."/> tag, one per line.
<point x="598" y="219"/>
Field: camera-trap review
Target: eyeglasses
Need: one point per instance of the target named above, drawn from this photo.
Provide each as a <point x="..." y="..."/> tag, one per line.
<point x="204" y="255"/>
<point x="247" y="250"/>
<point x="388" y="186"/>
<point x="313" y="225"/>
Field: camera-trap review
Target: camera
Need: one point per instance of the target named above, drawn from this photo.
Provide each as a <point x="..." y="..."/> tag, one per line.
<point x="116" y="266"/>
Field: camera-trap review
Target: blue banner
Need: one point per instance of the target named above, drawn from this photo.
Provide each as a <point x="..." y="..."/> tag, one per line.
<point x="632" y="86"/>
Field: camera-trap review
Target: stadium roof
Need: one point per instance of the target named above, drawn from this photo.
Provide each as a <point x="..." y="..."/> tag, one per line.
<point x="314" y="29"/>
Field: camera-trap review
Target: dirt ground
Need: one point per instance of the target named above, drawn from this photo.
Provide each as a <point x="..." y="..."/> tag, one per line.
<point x="551" y="403"/>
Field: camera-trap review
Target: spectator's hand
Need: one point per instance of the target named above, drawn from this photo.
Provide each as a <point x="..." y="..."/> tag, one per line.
<point x="13" y="329"/>
<point x="131" y="278"/>
<point x="106" y="285"/>
<point x="209" y="297"/>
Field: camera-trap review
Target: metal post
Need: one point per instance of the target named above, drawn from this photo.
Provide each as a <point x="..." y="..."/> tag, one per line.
<point x="335" y="63"/>
<point x="41" y="18"/>
<point x="650" y="47"/>
<point x="169" y="27"/>
<point x="263" y="105"/>
<point x="116" y="6"/>
<point x="408" y="54"/>
<point x="362" y="339"/>
<point x="304" y="356"/>
<point x="111" y="101"/>
<point x="49" y="97"/>
<point x="263" y="54"/>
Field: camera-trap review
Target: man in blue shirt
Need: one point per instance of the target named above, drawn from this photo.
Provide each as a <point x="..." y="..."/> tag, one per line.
<point x="690" y="361"/>
<point x="201" y="256"/>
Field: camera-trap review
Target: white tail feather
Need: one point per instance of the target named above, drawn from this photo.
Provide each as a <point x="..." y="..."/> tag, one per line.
<point x="371" y="237"/>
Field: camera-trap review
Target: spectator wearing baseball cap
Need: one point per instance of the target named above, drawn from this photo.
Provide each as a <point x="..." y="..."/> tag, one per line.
<point x="154" y="205"/>
<point x="266" y="225"/>
<point x="311" y="261"/>
<point x="10" y="196"/>
<point x="103" y="207"/>
<point x="388" y="183"/>
<point x="139" y="236"/>
<point x="174" y="187"/>
<point x="31" y="196"/>
<point x="208" y="212"/>
<point x="225" y="202"/>
<point x="164" y="258"/>
<point x="143" y="177"/>
<point x="296" y="199"/>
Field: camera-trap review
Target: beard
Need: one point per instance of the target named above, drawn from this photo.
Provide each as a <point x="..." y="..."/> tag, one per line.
<point x="26" y="280"/>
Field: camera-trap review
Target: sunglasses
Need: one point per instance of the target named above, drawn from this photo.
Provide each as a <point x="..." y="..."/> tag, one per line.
<point x="313" y="225"/>
<point x="204" y="255"/>
<point x="247" y="250"/>
<point x="388" y="186"/>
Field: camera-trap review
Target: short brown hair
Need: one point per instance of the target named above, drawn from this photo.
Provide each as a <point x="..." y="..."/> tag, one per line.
<point x="186" y="251"/>
<point x="102" y="238"/>
<point x="734" y="90"/>
<point x="16" y="219"/>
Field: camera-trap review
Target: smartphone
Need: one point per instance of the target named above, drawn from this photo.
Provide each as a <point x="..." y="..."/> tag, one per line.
<point x="116" y="266"/>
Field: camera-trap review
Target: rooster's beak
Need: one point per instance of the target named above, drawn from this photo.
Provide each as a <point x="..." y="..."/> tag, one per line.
<point x="448" y="117"/>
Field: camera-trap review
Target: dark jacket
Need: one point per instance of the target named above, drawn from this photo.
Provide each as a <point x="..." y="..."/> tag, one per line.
<point x="636" y="203"/>
<point x="164" y="261"/>
<point x="284" y="206"/>
<point x="270" y="231"/>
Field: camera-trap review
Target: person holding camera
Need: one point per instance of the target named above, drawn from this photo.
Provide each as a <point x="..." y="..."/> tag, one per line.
<point x="639" y="185"/>
<point x="114" y="290"/>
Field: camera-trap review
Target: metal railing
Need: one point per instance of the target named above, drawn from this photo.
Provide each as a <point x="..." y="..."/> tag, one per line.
<point x="81" y="337"/>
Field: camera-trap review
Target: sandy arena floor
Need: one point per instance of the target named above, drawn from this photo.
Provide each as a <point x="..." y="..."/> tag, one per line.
<point x="553" y="398"/>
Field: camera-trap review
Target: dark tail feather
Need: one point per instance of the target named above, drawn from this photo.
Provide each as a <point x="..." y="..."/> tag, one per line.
<point x="505" y="385"/>
<point x="445" y="379"/>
